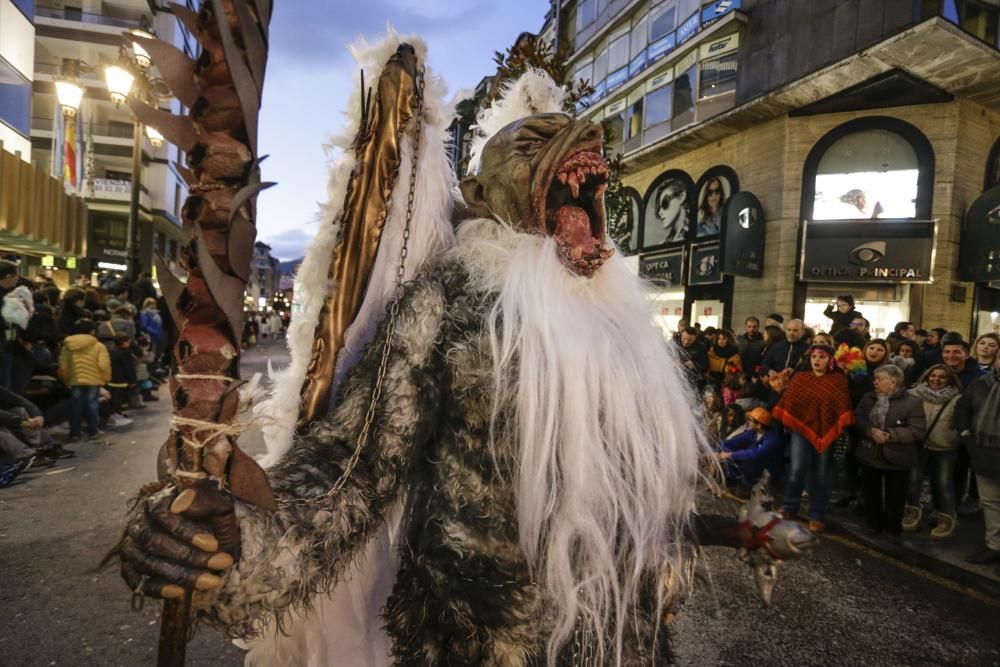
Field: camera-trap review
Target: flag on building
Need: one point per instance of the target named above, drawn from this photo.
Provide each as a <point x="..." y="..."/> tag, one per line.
<point x="72" y="149"/>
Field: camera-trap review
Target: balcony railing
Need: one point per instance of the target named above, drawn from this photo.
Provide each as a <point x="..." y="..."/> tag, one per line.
<point x="85" y="17"/>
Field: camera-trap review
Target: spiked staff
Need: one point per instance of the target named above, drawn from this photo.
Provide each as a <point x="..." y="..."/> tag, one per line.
<point x="222" y="91"/>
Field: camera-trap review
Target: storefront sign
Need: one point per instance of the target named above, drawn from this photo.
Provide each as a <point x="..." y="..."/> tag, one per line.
<point x="71" y="262"/>
<point x="112" y="266"/>
<point x="743" y="235"/>
<point x="720" y="46"/>
<point x="705" y="265"/>
<point x="665" y="270"/>
<point x="861" y="251"/>
<point x="713" y="12"/>
<point x="48" y="260"/>
<point x="980" y="252"/>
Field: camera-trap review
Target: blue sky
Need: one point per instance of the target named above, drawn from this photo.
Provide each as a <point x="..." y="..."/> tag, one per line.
<point x="310" y="75"/>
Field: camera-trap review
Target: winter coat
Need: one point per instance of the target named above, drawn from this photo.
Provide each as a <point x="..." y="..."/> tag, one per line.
<point x="122" y="368"/>
<point x="84" y="362"/>
<point x="751" y="353"/>
<point x="9" y="401"/>
<point x="783" y="355"/>
<point x="985" y="460"/>
<point x="766" y="451"/>
<point x="970" y="372"/>
<point x="904" y="422"/>
<point x="943" y="437"/>
<point x="718" y="357"/>
<point x="69" y="313"/>
<point x="151" y="324"/>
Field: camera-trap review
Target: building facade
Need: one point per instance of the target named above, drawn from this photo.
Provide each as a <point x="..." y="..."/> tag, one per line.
<point x="264" y="285"/>
<point x="856" y="136"/>
<point x="87" y="36"/>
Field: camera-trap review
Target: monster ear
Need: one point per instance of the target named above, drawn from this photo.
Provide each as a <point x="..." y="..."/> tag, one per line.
<point x="475" y="197"/>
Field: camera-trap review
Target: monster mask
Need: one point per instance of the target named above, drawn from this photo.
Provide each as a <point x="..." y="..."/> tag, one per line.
<point x="545" y="174"/>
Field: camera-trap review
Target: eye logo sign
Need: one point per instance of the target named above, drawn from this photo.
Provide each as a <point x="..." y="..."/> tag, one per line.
<point x="747" y="217"/>
<point x="867" y="253"/>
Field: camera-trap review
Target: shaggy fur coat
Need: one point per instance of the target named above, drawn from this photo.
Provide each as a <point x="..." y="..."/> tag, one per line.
<point x="464" y="593"/>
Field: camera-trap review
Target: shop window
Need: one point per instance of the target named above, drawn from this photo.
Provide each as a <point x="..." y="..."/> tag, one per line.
<point x="662" y="20"/>
<point x="658" y="105"/>
<point x="585" y="14"/>
<point x="718" y="76"/>
<point x="618" y="53"/>
<point x="684" y="93"/>
<point x="633" y="119"/>
<point x="869" y="168"/>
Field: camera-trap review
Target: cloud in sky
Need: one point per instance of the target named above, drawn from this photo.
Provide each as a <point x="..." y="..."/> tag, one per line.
<point x="310" y="75"/>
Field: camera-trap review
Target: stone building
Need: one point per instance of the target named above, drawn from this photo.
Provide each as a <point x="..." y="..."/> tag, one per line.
<point x="865" y="130"/>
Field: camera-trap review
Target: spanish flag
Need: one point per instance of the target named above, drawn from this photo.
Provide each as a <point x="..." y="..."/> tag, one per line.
<point x="71" y="150"/>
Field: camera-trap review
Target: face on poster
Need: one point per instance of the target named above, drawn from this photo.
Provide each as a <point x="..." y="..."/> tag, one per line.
<point x="712" y="198"/>
<point x="668" y="212"/>
<point x="866" y="195"/>
<point x="623" y="224"/>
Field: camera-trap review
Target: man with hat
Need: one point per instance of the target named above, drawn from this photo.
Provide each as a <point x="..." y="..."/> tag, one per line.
<point x="745" y="457"/>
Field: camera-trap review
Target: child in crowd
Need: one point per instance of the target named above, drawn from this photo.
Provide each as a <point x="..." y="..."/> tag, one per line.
<point x="85" y="367"/>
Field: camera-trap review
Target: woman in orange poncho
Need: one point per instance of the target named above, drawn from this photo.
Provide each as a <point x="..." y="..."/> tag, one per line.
<point x="815" y="407"/>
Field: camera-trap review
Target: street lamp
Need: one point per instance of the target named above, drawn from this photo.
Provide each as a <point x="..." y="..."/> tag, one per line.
<point x="119" y="81"/>
<point x="154" y="136"/>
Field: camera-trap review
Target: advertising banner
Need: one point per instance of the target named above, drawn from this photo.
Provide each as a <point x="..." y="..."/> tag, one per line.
<point x="664" y="269"/>
<point x="863" y="251"/>
<point x="743" y="236"/>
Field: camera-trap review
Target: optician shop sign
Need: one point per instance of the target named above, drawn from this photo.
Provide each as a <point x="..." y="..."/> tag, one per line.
<point x="868" y="251"/>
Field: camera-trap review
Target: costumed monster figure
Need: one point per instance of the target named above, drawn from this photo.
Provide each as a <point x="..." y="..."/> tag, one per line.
<point x="507" y="471"/>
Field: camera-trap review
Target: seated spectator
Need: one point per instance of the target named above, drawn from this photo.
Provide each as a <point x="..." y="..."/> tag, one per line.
<point x="939" y="390"/>
<point x="745" y="457"/>
<point x="735" y="421"/>
<point x="977" y="418"/>
<point x="815" y="407"/>
<point x="21" y="435"/>
<point x="985" y="350"/>
<point x="890" y="424"/>
<point x="85" y="366"/>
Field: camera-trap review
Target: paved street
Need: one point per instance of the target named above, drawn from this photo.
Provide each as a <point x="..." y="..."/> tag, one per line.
<point x="842" y="605"/>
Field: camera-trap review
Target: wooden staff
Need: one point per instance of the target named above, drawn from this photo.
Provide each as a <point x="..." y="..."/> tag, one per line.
<point x="222" y="91"/>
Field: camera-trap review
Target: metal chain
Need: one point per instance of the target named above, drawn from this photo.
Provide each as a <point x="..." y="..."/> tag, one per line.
<point x="393" y="305"/>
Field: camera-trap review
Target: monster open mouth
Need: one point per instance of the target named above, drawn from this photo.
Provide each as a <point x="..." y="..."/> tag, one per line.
<point x="574" y="210"/>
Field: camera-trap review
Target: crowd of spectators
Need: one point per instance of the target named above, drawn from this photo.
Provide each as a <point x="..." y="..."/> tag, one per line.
<point x="73" y="363"/>
<point x="905" y="430"/>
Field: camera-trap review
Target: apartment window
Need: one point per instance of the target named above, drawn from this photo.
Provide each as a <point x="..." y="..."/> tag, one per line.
<point x="109" y="232"/>
<point x="658" y="106"/>
<point x="633" y="119"/>
<point x="618" y="54"/>
<point x="662" y="20"/>
<point x="614" y="129"/>
<point x="685" y="8"/>
<point x="718" y="76"/>
<point x="15" y="99"/>
<point x="637" y="39"/>
<point x="684" y="92"/>
<point x="585" y="73"/>
<point x="586" y="12"/>
<point x="981" y="21"/>
<point x="177" y="200"/>
<point x="600" y="67"/>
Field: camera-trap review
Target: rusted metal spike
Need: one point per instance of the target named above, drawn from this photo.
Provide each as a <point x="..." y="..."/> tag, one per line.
<point x="175" y="67"/>
<point x="242" y="80"/>
<point x="178" y="130"/>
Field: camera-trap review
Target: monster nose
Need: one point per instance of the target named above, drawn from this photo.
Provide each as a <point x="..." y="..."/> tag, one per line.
<point x="593" y="133"/>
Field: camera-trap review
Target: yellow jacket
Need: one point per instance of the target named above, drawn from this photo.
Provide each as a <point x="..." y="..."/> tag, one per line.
<point x="84" y="361"/>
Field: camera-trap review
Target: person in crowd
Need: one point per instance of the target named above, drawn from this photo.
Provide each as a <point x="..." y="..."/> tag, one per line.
<point x="862" y="326"/>
<point x="985" y="350"/>
<point x="170" y="333"/>
<point x="22" y="439"/>
<point x="905" y="330"/>
<point x="123" y="378"/>
<point x="85" y="367"/>
<point x="9" y="278"/>
<point x="977" y="418"/>
<point x="823" y="338"/>
<point x="151" y="324"/>
<point x="939" y="389"/>
<point x="735" y="386"/>
<point x="841" y="312"/>
<point x="781" y="359"/>
<point x="909" y="359"/>
<point x="815" y="407"/>
<point x="751" y="347"/>
<point x="775" y="320"/>
<point x="122" y="321"/>
<point x="682" y="325"/>
<point x="722" y="353"/>
<point x="71" y="310"/>
<point x="920" y="337"/>
<point x="890" y="424"/>
<point x="694" y="357"/>
<point x="93" y="301"/>
<point x="955" y="354"/>
<point x="746" y="456"/>
<point x="735" y="421"/>
<point x="932" y="346"/>
<point x="772" y="334"/>
<point x="142" y="290"/>
<point x="276" y="325"/>
<point x="713" y="415"/>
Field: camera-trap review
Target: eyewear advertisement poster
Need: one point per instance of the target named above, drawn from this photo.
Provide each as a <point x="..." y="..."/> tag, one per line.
<point x="667" y="210"/>
<point x="624" y="218"/>
<point x="704" y="268"/>
<point x="715" y="187"/>
<point x="663" y="269"/>
<point x="890" y="251"/>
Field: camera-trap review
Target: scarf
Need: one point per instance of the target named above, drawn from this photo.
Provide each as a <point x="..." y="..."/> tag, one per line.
<point x="936" y="396"/>
<point x="818" y="407"/>
<point x="879" y="410"/>
<point x="988" y="419"/>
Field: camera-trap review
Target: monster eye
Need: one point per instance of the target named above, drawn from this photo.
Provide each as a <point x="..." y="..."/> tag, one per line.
<point x="868" y="253"/>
